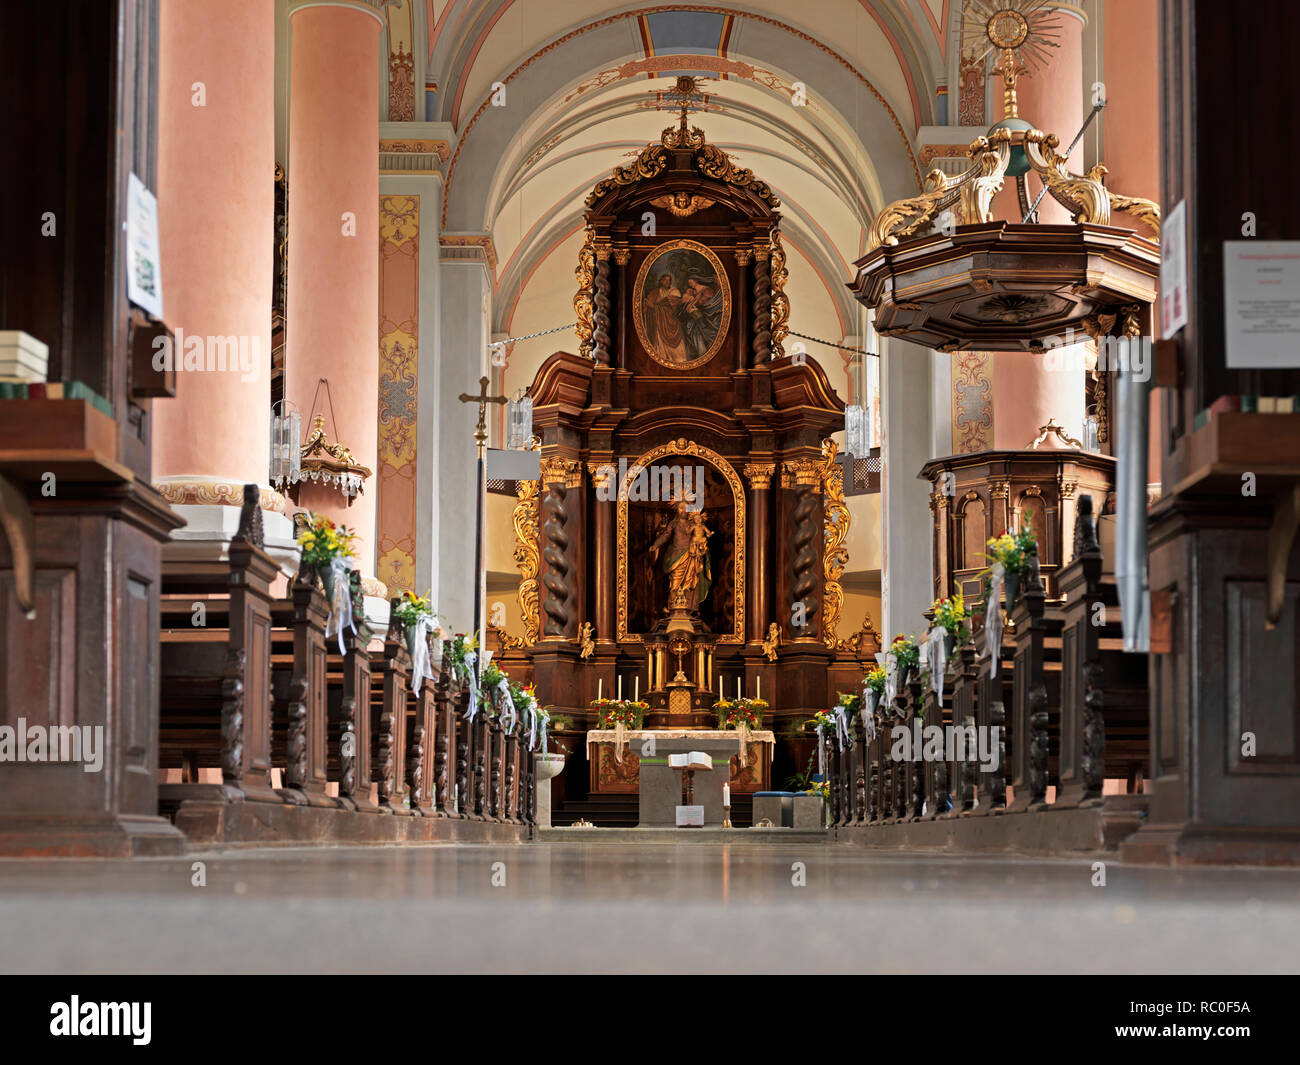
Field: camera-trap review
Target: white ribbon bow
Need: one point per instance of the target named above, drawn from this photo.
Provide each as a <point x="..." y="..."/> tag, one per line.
<point x="340" y="619"/>
<point x="841" y="726"/>
<point x="467" y="673"/>
<point x="421" y="667"/>
<point x="821" y="754"/>
<point x="509" y="715"/>
<point x="869" y="698"/>
<point x="891" y="680"/>
<point x="993" y="620"/>
<point x="936" y="658"/>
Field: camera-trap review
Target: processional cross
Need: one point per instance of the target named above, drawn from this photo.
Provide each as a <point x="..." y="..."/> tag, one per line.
<point x="480" y="570"/>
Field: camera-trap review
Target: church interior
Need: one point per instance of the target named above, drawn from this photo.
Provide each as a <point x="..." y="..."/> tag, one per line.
<point x="839" y="462"/>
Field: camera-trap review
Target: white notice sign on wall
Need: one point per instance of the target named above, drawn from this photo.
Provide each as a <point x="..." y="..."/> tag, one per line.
<point x="1173" y="271"/>
<point x="143" y="259"/>
<point x="1261" y="303"/>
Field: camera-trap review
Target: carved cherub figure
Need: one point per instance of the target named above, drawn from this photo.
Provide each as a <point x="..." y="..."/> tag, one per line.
<point x="587" y="642"/>
<point x="770" y="644"/>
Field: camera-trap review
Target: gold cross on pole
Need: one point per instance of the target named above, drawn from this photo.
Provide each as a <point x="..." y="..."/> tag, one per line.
<point x="482" y="399"/>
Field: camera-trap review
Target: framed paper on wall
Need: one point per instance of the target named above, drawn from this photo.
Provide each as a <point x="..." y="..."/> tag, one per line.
<point x="681" y="304"/>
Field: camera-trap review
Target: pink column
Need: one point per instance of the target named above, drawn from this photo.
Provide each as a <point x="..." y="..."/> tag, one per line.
<point x="1052" y="99"/>
<point x="1026" y="392"/>
<point x="333" y="298"/>
<point x="1131" y="135"/>
<point x="216" y="213"/>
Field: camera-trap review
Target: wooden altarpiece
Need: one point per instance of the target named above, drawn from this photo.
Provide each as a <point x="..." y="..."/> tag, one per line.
<point x="682" y="313"/>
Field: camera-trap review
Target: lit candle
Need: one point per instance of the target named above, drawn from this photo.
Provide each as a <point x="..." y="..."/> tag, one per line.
<point x="620" y="687"/>
<point x="726" y="794"/>
<point x="600" y="688"/>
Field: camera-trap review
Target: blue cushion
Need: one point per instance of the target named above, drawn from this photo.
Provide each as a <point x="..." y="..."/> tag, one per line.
<point x="774" y="794"/>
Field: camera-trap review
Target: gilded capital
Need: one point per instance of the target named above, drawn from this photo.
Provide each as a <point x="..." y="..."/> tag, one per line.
<point x="805" y="473"/>
<point x="759" y="474"/>
<point x="562" y="471"/>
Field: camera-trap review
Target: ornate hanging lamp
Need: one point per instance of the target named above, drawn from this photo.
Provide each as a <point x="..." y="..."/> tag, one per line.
<point x="319" y="460"/>
<point x="942" y="272"/>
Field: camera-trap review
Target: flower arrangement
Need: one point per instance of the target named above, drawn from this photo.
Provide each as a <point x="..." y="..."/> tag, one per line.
<point x="629" y="713"/>
<point x="876" y="681"/>
<point x="950" y="613"/>
<point x="824" y="722"/>
<point x="322" y="541"/>
<point x="906" y="654"/>
<point x="492" y="676"/>
<point x="1011" y="548"/>
<point x="851" y="701"/>
<point x="411" y="608"/>
<point x="458" y="647"/>
<point x="732" y="713"/>
<point x="820" y="787"/>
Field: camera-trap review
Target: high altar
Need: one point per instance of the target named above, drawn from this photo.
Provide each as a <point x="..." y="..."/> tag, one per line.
<point x="691" y="502"/>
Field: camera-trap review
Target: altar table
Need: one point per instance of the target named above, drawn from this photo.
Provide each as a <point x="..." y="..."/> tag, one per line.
<point x="608" y="774"/>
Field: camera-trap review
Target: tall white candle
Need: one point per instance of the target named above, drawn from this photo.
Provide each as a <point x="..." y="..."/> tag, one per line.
<point x="719" y="687"/>
<point x="620" y="687"/>
<point x="726" y="794"/>
<point x="758" y="681"/>
<point x="737" y="689"/>
<point x="637" y="696"/>
<point x="600" y="688"/>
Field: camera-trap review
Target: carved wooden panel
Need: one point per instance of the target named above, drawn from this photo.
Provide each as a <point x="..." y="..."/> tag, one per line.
<point x="40" y="676"/>
<point x="1263" y="681"/>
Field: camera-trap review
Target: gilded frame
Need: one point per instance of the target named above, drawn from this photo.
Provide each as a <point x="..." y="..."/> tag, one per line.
<point x="681" y="446"/>
<point x="638" y="305"/>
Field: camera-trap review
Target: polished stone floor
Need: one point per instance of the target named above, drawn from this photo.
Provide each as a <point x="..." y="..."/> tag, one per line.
<point x="628" y="907"/>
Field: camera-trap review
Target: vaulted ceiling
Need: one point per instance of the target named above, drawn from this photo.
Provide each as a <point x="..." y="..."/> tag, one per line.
<point x="822" y="100"/>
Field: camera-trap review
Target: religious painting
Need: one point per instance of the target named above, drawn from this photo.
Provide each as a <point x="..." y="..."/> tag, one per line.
<point x="681" y="304"/>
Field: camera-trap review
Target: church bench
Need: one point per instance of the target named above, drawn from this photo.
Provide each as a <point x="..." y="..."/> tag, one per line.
<point x="214" y="671"/>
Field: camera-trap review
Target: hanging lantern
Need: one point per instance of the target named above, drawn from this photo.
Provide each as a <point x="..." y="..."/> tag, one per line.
<point x="519" y="421"/>
<point x="286" y="455"/>
<point x="857" y="431"/>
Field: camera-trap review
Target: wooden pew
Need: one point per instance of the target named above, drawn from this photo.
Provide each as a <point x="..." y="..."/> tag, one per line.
<point x="215" y="678"/>
<point x="1104" y="720"/>
<point x="348" y="711"/>
<point x="389" y="672"/>
<point x="298" y="718"/>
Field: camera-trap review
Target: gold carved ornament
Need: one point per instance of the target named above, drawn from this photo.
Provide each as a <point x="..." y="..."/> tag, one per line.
<point x="527" y="555"/>
<point x="582" y="302"/>
<point x="780" y="301"/>
<point x="682" y="446"/>
<point x="682" y="204"/>
<point x="836" y="522"/>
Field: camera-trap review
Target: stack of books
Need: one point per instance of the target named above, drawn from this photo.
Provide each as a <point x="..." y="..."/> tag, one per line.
<point x="1247" y="405"/>
<point x="12" y="388"/>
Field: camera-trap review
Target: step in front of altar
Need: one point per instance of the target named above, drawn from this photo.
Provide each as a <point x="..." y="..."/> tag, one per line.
<point x="688" y="836"/>
<point x="619" y="810"/>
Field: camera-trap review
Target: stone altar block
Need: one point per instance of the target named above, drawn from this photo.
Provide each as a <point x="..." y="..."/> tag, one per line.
<point x="661" y="787"/>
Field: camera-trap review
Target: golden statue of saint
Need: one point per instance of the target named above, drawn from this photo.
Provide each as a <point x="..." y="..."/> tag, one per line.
<point x="687" y="559"/>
